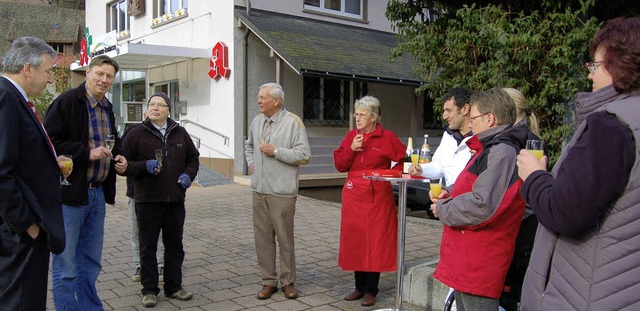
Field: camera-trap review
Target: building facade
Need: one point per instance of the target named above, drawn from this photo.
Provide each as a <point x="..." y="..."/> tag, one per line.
<point x="210" y="57"/>
<point x="60" y="24"/>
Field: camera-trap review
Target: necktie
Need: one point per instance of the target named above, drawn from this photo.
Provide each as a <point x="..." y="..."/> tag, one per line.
<point x="266" y="132"/>
<point x="33" y="108"/>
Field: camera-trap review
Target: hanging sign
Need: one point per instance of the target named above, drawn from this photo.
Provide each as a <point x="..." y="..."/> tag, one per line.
<point x="219" y="62"/>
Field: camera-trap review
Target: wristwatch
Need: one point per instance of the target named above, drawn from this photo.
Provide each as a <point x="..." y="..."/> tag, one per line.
<point x="275" y="152"/>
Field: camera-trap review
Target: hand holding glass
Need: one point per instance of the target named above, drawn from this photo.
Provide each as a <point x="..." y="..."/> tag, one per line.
<point x="67" y="162"/>
<point x="436" y="187"/>
<point x="159" y="156"/>
<point x="536" y="147"/>
<point x="110" y="141"/>
<point x="360" y="135"/>
<point x="415" y="156"/>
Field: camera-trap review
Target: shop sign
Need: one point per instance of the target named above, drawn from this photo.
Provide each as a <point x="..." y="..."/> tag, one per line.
<point x="219" y="62"/>
<point x="102" y="45"/>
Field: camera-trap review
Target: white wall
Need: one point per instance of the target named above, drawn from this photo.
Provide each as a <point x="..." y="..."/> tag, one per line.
<point x="209" y="102"/>
<point x="218" y="105"/>
<point x="96" y="17"/>
<point x="213" y="99"/>
<point x="374" y="18"/>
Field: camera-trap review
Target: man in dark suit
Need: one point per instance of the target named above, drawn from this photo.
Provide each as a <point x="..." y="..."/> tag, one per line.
<point x="31" y="222"/>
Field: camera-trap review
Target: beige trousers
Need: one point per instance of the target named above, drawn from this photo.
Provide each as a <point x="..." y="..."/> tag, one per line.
<point x="273" y="218"/>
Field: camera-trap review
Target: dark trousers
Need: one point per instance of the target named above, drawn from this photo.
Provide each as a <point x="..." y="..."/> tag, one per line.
<point x="367" y="282"/>
<point x="510" y="298"/>
<point x="24" y="266"/>
<point x="468" y="302"/>
<point x="168" y="217"/>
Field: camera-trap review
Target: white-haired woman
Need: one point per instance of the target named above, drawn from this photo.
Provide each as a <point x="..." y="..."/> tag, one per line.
<point x="368" y="228"/>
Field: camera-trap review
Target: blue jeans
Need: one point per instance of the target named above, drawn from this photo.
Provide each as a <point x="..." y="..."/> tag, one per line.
<point x="76" y="269"/>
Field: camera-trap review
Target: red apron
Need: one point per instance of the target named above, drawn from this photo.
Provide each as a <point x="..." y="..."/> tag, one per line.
<point x="369" y="225"/>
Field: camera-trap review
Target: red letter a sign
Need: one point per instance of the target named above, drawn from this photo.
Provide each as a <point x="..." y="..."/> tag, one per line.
<point x="219" y="61"/>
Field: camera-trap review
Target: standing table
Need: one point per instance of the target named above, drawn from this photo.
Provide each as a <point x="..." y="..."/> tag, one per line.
<point x="402" y="219"/>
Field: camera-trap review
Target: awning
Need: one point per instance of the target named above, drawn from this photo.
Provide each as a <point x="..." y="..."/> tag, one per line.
<point x="314" y="47"/>
<point x="132" y="56"/>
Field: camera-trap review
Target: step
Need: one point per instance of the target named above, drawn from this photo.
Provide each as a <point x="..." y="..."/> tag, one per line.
<point x="317" y="169"/>
<point x="325" y="141"/>
<point x="421" y="289"/>
<point x="322" y="159"/>
<point x="322" y="180"/>
<point x="322" y="150"/>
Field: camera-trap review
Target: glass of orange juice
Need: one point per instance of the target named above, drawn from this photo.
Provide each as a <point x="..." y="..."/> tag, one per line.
<point x="67" y="162"/>
<point x="436" y="187"/>
<point x="415" y="156"/>
<point x="536" y="147"/>
<point x="360" y="134"/>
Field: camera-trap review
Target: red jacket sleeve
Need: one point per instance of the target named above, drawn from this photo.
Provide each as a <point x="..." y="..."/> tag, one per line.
<point x="343" y="156"/>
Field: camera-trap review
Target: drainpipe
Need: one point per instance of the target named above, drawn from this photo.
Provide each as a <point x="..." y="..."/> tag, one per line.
<point x="245" y="87"/>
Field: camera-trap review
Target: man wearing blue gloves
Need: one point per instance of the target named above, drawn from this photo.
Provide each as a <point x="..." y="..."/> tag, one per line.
<point x="164" y="161"/>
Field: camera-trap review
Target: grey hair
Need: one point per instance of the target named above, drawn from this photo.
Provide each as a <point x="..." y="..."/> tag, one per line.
<point x="275" y="90"/>
<point x="370" y="104"/>
<point x="104" y="59"/>
<point x="26" y="50"/>
<point x="497" y="102"/>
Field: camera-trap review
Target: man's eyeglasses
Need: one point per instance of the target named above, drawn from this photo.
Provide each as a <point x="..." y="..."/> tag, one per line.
<point x="592" y="66"/>
<point x="159" y="105"/>
<point x="478" y="116"/>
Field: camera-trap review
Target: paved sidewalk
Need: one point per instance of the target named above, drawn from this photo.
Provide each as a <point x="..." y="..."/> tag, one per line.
<point x="220" y="266"/>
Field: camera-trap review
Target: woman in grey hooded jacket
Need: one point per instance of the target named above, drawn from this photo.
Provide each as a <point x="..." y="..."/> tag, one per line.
<point x="586" y="254"/>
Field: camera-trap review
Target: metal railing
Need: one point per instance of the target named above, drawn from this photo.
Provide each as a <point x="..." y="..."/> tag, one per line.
<point x="196" y="140"/>
<point x="225" y="137"/>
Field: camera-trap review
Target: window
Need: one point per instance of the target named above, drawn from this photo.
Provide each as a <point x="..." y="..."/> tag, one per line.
<point x="326" y="101"/>
<point x="118" y="19"/>
<point x="430" y="119"/>
<point x="348" y="8"/>
<point x="172" y="89"/>
<point x="62" y="48"/>
<point x="128" y="95"/>
<point x="167" y="10"/>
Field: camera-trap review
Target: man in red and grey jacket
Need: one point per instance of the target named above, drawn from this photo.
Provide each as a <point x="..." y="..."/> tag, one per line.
<point x="483" y="214"/>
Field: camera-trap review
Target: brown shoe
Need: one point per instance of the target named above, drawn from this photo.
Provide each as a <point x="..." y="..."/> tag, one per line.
<point x="369" y="300"/>
<point x="266" y="292"/>
<point x="354" y="295"/>
<point x="290" y="291"/>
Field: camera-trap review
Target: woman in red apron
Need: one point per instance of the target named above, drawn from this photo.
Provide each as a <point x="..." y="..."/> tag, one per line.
<point x="369" y="225"/>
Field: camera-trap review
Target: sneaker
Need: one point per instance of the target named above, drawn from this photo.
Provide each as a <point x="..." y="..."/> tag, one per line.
<point x="149" y="300"/>
<point x="161" y="274"/>
<point x="136" y="275"/>
<point x="181" y="295"/>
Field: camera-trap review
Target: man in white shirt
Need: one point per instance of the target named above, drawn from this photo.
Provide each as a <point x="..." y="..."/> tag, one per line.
<point x="452" y="154"/>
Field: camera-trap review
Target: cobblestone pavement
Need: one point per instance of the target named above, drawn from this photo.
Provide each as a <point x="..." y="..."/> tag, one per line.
<point x="220" y="265"/>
